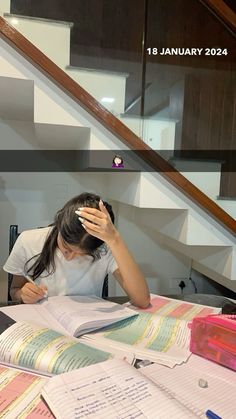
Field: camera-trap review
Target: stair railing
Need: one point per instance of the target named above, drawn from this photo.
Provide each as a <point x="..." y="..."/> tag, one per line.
<point x="17" y="41"/>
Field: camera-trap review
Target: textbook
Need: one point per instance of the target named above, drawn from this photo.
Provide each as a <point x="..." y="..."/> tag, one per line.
<point x="112" y="389"/>
<point x="34" y="348"/>
<point x="160" y="333"/>
<point x="71" y="315"/>
<point x="20" y="395"/>
<point x="83" y="314"/>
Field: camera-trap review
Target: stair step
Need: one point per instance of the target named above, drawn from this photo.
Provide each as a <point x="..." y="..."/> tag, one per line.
<point x="169" y="222"/>
<point x="106" y="87"/>
<point x="228" y="205"/>
<point x="24" y="135"/>
<point x="217" y="259"/>
<point x="98" y="70"/>
<point x="159" y="134"/>
<point x="196" y="172"/>
<point x="5" y="6"/>
<point x="37" y="19"/>
<point x="54" y="33"/>
<point x="16" y="99"/>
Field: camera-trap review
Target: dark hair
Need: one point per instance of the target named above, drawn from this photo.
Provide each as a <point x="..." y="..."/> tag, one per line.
<point x="66" y="223"/>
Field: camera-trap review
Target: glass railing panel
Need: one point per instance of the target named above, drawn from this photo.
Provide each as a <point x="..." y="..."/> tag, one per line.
<point x="192" y="74"/>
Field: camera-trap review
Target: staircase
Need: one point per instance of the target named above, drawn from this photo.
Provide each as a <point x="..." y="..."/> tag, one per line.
<point x="42" y="116"/>
<point x="109" y="89"/>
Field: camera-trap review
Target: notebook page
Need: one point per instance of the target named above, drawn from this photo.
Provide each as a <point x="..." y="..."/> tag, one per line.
<point x="219" y="396"/>
<point x="111" y="389"/>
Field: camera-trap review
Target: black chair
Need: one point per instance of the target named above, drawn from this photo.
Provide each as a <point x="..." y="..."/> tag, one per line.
<point x="105" y="287"/>
<point x="13" y="235"/>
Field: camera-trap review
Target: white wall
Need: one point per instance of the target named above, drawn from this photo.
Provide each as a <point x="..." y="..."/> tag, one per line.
<point x="32" y="199"/>
<point x="158" y="263"/>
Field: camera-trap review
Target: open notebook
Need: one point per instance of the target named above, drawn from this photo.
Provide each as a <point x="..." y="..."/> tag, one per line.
<point x="111" y="389"/>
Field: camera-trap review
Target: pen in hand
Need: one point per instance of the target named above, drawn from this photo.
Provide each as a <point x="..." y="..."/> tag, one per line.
<point x="32" y="282"/>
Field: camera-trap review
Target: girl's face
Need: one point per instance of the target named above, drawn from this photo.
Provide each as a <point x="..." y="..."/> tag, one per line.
<point x="69" y="251"/>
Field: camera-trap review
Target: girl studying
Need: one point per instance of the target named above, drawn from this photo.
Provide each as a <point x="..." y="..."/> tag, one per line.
<point x="73" y="255"/>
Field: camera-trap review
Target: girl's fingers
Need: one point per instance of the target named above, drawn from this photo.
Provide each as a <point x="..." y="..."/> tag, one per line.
<point x="83" y="215"/>
<point x="92" y="227"/>
<point x="103" y="208"/>
<point x="33" y="289"/>
<point x="91" y="211"/>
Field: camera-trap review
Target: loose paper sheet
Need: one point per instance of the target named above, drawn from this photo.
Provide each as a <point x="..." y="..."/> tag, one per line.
<point x="182" y="382"/>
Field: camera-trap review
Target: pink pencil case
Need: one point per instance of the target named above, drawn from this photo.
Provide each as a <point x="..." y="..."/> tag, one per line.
<point x="214" y="338"/>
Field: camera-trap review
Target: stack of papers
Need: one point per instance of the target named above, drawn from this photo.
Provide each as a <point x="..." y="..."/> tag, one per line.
<point x="160" y="333"/>
<point x="182" y="384"/>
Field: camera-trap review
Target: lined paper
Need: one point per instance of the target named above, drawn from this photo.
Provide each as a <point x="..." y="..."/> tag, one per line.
<point x="111" y="389"/>
<point x="182" y="382"/>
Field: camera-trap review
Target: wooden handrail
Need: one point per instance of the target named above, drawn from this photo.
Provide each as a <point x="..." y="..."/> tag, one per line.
<point x="222" y="11"/>
<point x="16" y="40"/>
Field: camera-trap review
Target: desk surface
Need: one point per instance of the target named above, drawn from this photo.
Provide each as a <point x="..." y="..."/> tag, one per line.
<point x="228" y="306"/>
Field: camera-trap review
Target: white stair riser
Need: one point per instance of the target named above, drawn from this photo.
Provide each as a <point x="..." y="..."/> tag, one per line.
<point x="159" y="135"/>
<point x="212" y="187"/>
<point x="51" y="38"/>
<point x="102" y="85"/>
<point x="5" y="6"/>
<point x="210" y="273"/>
<point x="22" y="135"/>
<point x="16" y="99"/>
<point x="228" y="205"/>
<point x="217" y="259"/>
<point x="170" y="222"/>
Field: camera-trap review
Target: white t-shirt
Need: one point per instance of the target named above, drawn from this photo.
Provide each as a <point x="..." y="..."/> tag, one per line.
<point x="80" y="276"/>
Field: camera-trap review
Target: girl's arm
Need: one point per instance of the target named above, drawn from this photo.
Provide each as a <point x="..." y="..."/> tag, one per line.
<point x="98" y="224"/>
<point x="129" y="275"/>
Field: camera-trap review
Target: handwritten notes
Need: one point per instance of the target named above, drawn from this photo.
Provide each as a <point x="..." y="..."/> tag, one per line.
<point x="111" y="389"/>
